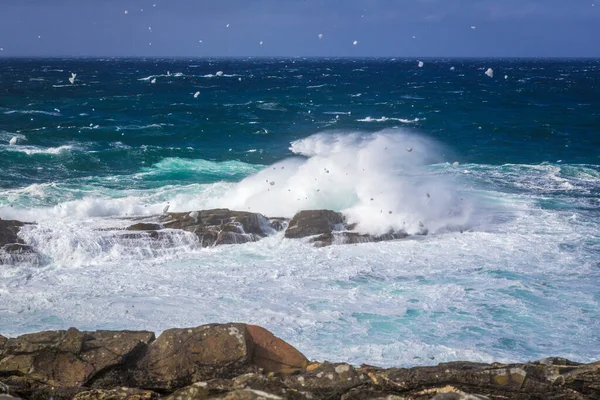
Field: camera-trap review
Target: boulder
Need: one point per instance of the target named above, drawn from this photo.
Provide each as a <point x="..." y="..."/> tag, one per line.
<point x="180" y="357"/>
<point x="330" y="227"/>
<point x="3" y="340"/>
<point x="70" y="358"/>
<point x="315" y="222"/>
<point x="273" y="354"/>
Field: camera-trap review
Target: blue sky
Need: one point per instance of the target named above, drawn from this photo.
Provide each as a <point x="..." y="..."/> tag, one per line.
<point x="405" y="28"/>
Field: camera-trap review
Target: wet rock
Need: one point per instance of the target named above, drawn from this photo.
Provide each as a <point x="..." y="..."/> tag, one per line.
<point x="216" y="227"/>
<point x="314" y="222"/>
<point x="12" y="247"/>
<point x="327" y="380"/>
<point x="69" y="358"/>
<point x="144" y="226"/>
<point x="117" y="394"/>
<point x="273" y="354"/>
<point x="332" y="238"/>
<point x="330" y="227"/>
<point x="180" y="357"/>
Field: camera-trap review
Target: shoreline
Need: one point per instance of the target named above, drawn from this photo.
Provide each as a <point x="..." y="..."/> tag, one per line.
<point x="240" y="361"/>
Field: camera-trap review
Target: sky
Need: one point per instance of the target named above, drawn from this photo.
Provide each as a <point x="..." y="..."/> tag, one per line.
<point x="282" y="28"/>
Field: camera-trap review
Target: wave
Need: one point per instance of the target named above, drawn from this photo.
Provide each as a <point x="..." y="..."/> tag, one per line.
<point x="370" y="177"/>
<point x="52" y="113"/>
<point x="385" y="119"/>
<point x="141" y="127"/>
<point x="175" y="75"/>
<point x="33" y="150"/>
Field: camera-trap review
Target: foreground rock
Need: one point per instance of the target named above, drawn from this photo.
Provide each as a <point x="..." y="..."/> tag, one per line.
<point x="330" y="227"/>
<point x="239" y="361"/>
<point x="12" y="247"/>
<point x="214" y="227"/>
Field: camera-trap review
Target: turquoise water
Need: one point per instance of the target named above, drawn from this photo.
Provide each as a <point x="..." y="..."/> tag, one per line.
<point x="510" y="269"/>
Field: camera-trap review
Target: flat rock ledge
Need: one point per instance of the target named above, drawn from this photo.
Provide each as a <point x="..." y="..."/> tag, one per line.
<point x="245" y="362"/>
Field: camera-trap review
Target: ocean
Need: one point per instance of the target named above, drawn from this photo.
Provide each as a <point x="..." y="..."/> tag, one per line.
<point x="503" y="172"/>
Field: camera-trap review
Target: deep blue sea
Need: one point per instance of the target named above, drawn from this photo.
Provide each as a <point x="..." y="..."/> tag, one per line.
<point x="503" y="171"/>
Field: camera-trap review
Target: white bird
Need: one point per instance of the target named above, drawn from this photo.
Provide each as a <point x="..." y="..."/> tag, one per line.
<point x="261" y="42"/>
<point x="451" y="68"/>
<point x="13" y="141"/>
<point x="126" y="12"/>
<point x="355" y="42"/>
<point x="320" y="36"/>
<point x="196" y="95"/>
<point x="72" y="78"/>
<point x="455" y="164"/>
<point x="1" y="48"/>
<point x="153" y="80"/>
<point x="473" y="27"/>
<point x="409" y="149"/>
<point x="421" y="64"/>
<point x="219" y="73"/>
<point x="227" y="26"/>
<point x="505" y="76"/>
<point x="490" y="72"/>
<point x="166" y="209"/>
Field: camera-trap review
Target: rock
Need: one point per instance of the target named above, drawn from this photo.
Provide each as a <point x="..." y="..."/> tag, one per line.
<point x="2" y="342"/>
<point x="330" y="227"/>
<point x="494" y="381"/>
<point x="327" y="379"/>
<point x="180" y="357"/>
<point x="273" y="354"/>
<point x="12" y="247"/>
<point x="221" y="388"/>
<point x="314" y="222"/>
<point x="213" y="227"/>
<point x="328" y="239"/>
<point x="117" y="394"/>
<point x="70" y="358"/>
<point x="143" y="226"/>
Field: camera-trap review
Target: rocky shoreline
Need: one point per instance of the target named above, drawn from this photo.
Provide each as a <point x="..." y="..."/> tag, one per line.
<point x="212" y="228"/>
<point x="238" y="361"/>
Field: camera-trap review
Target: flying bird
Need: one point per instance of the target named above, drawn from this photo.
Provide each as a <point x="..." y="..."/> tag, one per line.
<point x="72" y="78"/>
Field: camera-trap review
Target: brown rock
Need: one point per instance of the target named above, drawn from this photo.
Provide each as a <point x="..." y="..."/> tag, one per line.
<point x="180" y="357"/>
<point x="273" y="354"/>
<point x="314" y="222"/>
<point x="214" y="227"/>
<point x="327" y="380"/>
<point x="69" y="358"/>
<point x="330" y="227"/>
<point x="117" y="394"/>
